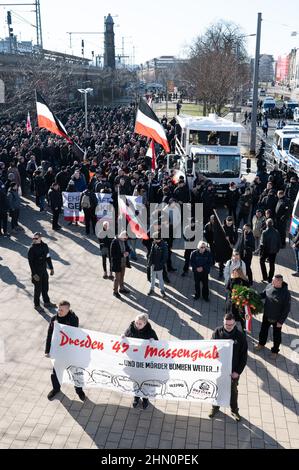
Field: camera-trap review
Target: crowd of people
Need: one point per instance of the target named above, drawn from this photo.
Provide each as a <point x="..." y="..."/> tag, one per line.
<point x="42" y="166"/>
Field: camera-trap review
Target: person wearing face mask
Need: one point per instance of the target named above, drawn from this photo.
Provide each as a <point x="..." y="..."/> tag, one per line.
<point x="201" y="263"/>
<point x="14" y="203"/>
<point x="276" y="310"/>
<point x="65" y="316"/>
<point x="141" y="328"/>
<point x="156" y="261"/>
<point x="39" y="259"/>
<point x="230" y="331"/>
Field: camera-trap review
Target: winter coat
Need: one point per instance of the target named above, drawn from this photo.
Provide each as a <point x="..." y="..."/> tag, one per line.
<point x="292" y="191"/>
<point x="282" y="210"/>
<point x="158" y="255"/>
<point x="105" y="241"/>
<point x="40" y="186"/>
<point x="270" y="241"/>
<point x="55" y="199"/>
<point x="240" y="347"/>
<point x="245" y="204"/>
<point x="39" y="258"/>
<point x="117" y="255"/>
<point x="70" y="319"/>
<point x="231" y="233"/>
<point x="258" y="225"/>
<point x="4" y="204"/>
<point x="201" y="260"/>
<point x="232" y="198"/>
<point x="277" y="303"/>
<point x="247" y="245"/>
<point x="80" y="184"/>
<point x="92" y="199"/>
<point x="14" y="200"/>
<point x="146" y="333"/>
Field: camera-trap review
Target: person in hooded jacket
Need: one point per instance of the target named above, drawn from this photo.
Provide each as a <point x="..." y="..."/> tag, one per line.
<point x="141" y="328"/>
<point x="276" y="310"/>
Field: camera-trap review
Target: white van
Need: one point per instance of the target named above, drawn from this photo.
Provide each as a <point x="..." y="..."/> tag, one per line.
<point x="296" y="114"/>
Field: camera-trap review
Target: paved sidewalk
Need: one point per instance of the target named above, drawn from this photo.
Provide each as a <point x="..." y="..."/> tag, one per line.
<point x="268" y="392"/>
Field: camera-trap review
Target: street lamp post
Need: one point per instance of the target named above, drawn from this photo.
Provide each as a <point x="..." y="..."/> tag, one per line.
<point x="85" y="92"/>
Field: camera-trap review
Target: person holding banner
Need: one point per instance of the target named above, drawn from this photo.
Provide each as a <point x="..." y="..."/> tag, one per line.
<point x="230" y="331"/>
<point x="65" y="316"/>
<point x="141" y="328"/>
<point x="120" y="251"/>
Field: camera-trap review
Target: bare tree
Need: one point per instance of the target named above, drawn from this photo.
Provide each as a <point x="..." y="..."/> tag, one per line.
<point x="217" y="66"/>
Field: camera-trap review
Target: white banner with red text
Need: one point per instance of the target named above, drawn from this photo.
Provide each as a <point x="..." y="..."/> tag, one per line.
<point x="173" y="370"/>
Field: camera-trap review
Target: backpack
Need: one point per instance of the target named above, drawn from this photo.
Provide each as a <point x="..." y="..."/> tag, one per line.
<point x="85" y="203"/>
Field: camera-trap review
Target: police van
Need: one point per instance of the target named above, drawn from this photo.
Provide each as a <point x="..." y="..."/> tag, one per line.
<point x="295" y="217"/>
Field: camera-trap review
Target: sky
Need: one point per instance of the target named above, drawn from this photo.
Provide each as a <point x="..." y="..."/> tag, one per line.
<point x="156" y="27"/>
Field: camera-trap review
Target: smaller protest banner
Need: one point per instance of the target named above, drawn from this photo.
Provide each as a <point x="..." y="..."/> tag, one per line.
<point x="71" y="206"/>
<point x="104" y="209"/>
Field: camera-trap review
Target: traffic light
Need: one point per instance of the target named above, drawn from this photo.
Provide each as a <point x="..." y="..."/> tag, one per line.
<point x="9" y="22"/>
<point x="11" y="35"/>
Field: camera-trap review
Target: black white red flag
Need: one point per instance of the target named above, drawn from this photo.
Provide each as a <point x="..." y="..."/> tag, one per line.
<point x="148" y="124"/>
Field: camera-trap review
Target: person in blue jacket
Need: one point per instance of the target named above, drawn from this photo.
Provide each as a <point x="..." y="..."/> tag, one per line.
<point x="201" y="262"/>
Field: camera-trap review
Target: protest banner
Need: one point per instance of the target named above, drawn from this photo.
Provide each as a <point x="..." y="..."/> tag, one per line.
<point x="71" y="204"/>
<point x="105" y="209"/>
<point x="172" y="370"/>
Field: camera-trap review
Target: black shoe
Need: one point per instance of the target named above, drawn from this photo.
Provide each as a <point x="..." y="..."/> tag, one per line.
<point x="183" y="274"/>
<point x="207" y="299"/>
<point x="50" y="305"/>
<point x="124" y="291"/>
<point x="117" y="295"/>
<point x="145" y="403"/>
<point x="52" y="394"/>
<point x="196" y="297"/>
<point x="171" y="270"/>
<point x="39" y="309"/>
<point x="136" y="402"/>
<point x="213" y="411"/>
<point x="105" y="276"/>
<point x="163" y="295"/>
<point x="236" y="416"/>
<point x="81" y="395"/>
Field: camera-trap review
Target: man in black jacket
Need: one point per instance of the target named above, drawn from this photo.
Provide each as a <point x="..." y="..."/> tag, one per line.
<point x="88" y="203"/>
<point x="39" y="258"/>
<point x="269" y="247"/>
<point x="156" y="261"/>
<point x="247" y="247"/>
<point x="232" y="198"/>
<point x="119" y="252"/>
<point x="55" y="202"/>
<point x="229" y="330"/>
<point x="276" y="309"/>
<point x="282" y="213"/>
<point x="4" y="207"/>
<point x="65" y="316"/>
